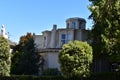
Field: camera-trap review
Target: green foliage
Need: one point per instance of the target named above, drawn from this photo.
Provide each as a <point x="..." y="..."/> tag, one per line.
<point x="51" y="72"/>
<point x="25" y="60"/>
<point x="5" y="57"/>
<point x="96" y="76"/>
<point x="75" y="59"/>
<point x="105" y="31"/>
<point x="30" y="77"/>
<point x="106" y="28"/>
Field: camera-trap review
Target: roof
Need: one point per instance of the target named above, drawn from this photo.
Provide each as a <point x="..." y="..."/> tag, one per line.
<point x="12" y="43"/>
<point x="76" y="18"/>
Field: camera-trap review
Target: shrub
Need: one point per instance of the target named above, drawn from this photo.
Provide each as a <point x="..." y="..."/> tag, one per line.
<point x="75" y="59"/>
<point x="5" y="57"/>
<point x="51" y="72"/>
<point x="30" y="77"/>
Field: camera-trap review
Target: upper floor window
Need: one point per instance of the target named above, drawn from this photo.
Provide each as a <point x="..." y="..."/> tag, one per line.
<point x="80" y="25"/>
<point x="44" y="38"/>
<point x="73" y="25"/>
<point x="67" y="25"/>
<point x="63" y="38"/>
<point x="69" y="37"/>
<point x="44" y="43"/>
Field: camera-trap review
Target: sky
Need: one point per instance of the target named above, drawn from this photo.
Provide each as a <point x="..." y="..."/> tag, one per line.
<point x="35" y="16"/>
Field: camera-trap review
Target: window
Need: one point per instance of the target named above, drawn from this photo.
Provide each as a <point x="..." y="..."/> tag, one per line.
<point x="63" y="39"/>
<point x="63" y="36"/>
<point x="67" y="25"/>
<point x="80" y="25"/>
<point x="73" y="25"/>
<point x="44" y="44"/>
<point x="69" y="37"/>
<point x="44" y="38"/>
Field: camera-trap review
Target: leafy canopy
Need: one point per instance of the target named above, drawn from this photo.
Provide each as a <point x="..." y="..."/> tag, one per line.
<point x="5" y="57"/>
<point x="75" y="59"/>
<point x="106" y="27"/>
<point x="26" y="59"/>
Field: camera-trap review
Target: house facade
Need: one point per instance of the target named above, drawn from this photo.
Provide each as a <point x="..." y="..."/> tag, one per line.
<point x="50" y="42"/>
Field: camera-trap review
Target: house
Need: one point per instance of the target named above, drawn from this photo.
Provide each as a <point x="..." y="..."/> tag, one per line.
<point x="50" y="42"/>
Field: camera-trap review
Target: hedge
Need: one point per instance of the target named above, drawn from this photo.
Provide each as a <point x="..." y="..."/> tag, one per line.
<point x="105" y="76"/>
<point x="95" y="76"/>
<point x="30" y="77"/>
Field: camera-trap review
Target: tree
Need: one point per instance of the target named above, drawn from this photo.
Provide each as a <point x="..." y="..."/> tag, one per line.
<point x="5" y="57"/>
<point x="75" y="59"/>
<point x="26" y="59"/>
<point x="106" y="28"/>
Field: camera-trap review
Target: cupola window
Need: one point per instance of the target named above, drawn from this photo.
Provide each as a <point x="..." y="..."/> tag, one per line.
<point x="73" y="25"/>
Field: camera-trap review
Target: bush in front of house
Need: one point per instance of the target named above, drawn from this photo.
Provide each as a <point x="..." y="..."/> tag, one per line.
<point x="19" y="77"/>
<point x="5" y="57"/>
<point x="51" y="72"/>
<point x="75" y="59"/>
<point x="30" y="77"/>
<point x="94" y="76"/>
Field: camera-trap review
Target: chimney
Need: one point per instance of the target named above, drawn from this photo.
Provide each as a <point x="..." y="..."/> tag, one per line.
<point x="54" y="26"/>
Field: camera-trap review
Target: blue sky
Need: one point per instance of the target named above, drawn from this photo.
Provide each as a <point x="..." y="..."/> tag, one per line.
<point x="35" y="16"/>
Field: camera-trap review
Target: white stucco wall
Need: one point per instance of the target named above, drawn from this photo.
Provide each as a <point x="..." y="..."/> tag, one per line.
<point x="52" y="60"/>
<point x="38" y="41"/>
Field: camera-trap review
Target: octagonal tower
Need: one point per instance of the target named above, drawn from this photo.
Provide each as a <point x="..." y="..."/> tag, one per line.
<point x="76" y="23"/>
